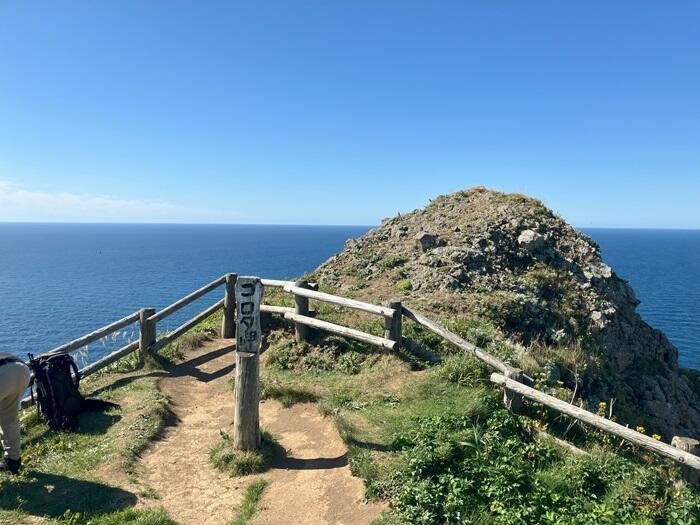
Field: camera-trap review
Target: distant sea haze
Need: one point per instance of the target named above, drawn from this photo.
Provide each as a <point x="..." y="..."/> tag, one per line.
<point x="60" y="281"/>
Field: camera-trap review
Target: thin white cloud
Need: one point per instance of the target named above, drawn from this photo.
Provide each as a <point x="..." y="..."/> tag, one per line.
<point x="18" y="204"/>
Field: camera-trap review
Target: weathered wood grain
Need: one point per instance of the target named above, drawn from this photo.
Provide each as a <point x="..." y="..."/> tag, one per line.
<point x="147" y="333"/>
<point x="246" y="423"/>
<point x="272" y="309"/>
<point x="189" y="298"/>
<point x="341" y="301"/>
<point x="343" y="330"/>
<point x="276" y="283"/>
<point x="692" y="446"/>
<point x="186" y="326"/>
<point x="477" y="352"/>
<point x="228" y="322"/>
<point x="301" y="307"/>
<point x="608" y="426"/>
<point x="393" y="324"/>
<point x="249" y="291"/>
<point x="96" y="335"/>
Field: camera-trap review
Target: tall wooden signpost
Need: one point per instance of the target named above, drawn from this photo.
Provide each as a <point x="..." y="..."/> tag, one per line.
<point x="246" y="424"/>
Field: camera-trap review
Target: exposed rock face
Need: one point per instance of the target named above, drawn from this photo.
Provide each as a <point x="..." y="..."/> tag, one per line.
<point x="508" y="259"/>
<point x="531" y="241"/>
<point x="426" y="241"/>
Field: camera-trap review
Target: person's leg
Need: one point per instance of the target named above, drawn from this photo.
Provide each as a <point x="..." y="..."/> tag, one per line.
<point x="14" y="378"/>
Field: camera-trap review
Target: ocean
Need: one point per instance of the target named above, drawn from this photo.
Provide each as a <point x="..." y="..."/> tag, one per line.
<point x="663" y="268"/>
<point x="60" y="281"/>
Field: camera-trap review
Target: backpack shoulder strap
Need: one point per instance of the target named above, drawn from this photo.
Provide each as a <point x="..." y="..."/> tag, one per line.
<point x="74" y="367"/>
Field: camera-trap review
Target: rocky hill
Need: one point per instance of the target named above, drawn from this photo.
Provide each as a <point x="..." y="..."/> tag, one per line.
<point x="507" y="260"/>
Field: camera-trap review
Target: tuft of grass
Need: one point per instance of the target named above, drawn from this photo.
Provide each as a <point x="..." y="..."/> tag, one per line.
<point x="391" y="261"/>
<point x="242" y="463"/>
<point x="462" y="369"/>
<point x="128" y="517"/>
<point x="251" y="499"/>
<point x="404" y="285"/>
<point x="191" y="341"/>
<point x="145" y="428"/>
<point x="288" y="395"/>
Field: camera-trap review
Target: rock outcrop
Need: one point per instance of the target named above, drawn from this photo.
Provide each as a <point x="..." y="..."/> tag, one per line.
<point x="508" y="259"/>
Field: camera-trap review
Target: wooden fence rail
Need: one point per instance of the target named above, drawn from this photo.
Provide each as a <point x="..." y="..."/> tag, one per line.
<point x="171" y="309"/>
<point x="342" y="330"/>
<point x="477" y="352"/>
<point x="276" y="283"/>
<point x="186" y="326"/>
<point x="510" y="378"/>
<point x="96" y="335"/>
<point x="146" y="343"/>
<point x="340" y="301"/>
<point x="597" y="421"/>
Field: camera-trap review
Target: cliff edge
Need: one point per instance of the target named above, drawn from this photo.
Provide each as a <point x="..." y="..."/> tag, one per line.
<point x="509" y="262"/>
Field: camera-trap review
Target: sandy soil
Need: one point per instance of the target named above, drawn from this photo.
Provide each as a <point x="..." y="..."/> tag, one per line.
<point x="310" y="484"/>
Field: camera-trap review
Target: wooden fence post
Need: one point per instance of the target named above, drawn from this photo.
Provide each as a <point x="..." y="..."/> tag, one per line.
<point x="512" y="400"/>
<point x="301" y="307"/>
<point x="246" y="423"/>
<point x="228" y="323"/>
<point x="392" y="325"/>
<point x="692" y="446"/>
<point x="147" y="335"/>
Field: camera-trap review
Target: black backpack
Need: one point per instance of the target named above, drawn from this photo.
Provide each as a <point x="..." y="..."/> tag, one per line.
<point x="57" y="387"/>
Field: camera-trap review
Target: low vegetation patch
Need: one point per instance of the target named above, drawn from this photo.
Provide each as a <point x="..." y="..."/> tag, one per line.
<point x="251" y="499"/>
<point x="242" y="463"/>
<point x="288" y="395"/>
<point x="59" y="480"/>
<point x="330" y="353"/>
<point x="440" y="446"/>
<point x="132" y="517"/>
<point x="404" y="285"/>
<point x="191" y="341"/>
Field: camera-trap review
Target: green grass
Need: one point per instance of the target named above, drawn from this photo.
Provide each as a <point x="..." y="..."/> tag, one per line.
<point x="436" y="442"/>
<point x="132" y="517"/>
<point x="59" y="482"/>
<point x="288" y="395"/>
<point x="251" y="499"/>
<point x="243" y="463"/>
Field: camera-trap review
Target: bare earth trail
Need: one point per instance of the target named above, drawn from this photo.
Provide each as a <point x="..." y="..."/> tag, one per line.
<point x="311" y="484"/>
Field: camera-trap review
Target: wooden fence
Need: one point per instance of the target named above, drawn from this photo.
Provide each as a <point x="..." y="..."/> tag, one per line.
<point x="516" y="384"/>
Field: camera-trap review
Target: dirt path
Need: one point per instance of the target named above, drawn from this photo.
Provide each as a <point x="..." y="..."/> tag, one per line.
<point x="311" y="485"/>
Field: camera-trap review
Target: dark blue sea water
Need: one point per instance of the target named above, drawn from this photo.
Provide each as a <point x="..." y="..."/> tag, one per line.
<point x="60" y="281"/>
<point x="663" y="267"/>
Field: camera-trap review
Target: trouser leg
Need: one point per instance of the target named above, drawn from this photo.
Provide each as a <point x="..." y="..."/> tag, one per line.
<point x="14" y="379"/>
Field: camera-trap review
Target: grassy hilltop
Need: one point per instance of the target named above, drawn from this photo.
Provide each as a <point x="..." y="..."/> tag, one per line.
<point x="427" y="429"/>
<point x="506" y="263"/>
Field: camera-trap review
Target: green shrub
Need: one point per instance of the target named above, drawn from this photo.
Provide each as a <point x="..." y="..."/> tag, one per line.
<point x="351" y="362"/>
<point x="282" y="356"/>
<point x="455" y="469"/>
<point x="478" y="332"/>
<point x="391" y="261"/>
<point x="462" y="369"/>
<point x="404" y="285"/>
<point x="318" y="362"/>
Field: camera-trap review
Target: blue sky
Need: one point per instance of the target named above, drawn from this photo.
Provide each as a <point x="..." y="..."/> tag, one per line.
<point x="330" y="112"/>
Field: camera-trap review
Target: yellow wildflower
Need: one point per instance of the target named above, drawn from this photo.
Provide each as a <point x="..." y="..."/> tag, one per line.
<point x="641" y="430"/>
<point x="656" y="437"/>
